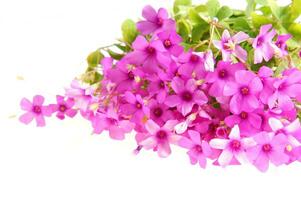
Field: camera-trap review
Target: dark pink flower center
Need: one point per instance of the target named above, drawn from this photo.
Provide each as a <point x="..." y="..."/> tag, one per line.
<point x="186" y="96"/>
<point x="131" y="75"/>
<point x="279" y="44"/>
<point x="266" y="148"/>
<point x="300" y="54"/>
<point x="161" y="135"/>
<point x="222" y="73"/>
<point x="226" y="46"/>
<point x="158" y="112"/>
<point x="243" y="115"/>
<point x="62" y="108"/>
<point x="244" y="90"/>
<point x="37" y="109"/>
<point x="138" y="105"/>
<point x="198" y="148"/>
<point x="160" y="21"/>
<point x="235" y="145"/>
<point x="260" y="41"/>
<point x="150" y="50"/>
<point x="167" y="43"/>
<point x="194" y="58"/>
<point x="161" y="85"/>
<point x="112" y="121"/>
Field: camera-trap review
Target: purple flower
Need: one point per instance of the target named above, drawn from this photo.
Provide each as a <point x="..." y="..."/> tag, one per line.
<point x="281" y="46"/>
<point x="244" y="92"/>
<point x="155" y="21"/>
<point x="262" y="44"/>
<point x="287" y="87"/>
<point x="171" y="41"/>
<point x="160" y="137"/>
<point x="110" y="121"/>
<point x="150" y="55"/>
<point x="63" y="107"/>
<point x="199" y="149"/>
<point x="248" y="122"/>
<point x="230" y="46"/>
<point x="223" y="73"/>
<point x="270" y="147"/>
<point x="234" y="147"/>
<point x="159" y="112"/>
<point x="135" y="107"/>
<point x="34" y="110"/>
<point x="186" y="95"/>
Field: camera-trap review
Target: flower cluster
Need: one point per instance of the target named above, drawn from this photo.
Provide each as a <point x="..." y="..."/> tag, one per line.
<point x="209" y="102"/>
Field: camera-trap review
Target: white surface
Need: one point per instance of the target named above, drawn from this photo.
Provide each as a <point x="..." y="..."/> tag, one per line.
<point x="47" y="42"/>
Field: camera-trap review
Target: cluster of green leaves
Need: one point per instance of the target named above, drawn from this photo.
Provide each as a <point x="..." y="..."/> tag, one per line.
<point x="200" y="24"/>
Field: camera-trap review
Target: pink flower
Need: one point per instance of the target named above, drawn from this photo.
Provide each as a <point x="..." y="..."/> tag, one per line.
<point x="244" y="92"/>
<point x="110" y="121"/>
<point x="266" y="76"/>
<point x="160" y="137"/>
<point x="171" y="41"/>
<point x="269" y="147"/>
<point x="262" y="44"/>
<point x="63" y="107"/>
<point x="234" y="147"/>
<point x="248" y="122"/>
<point x="150" y="55"/>
<point x="186" y="96"/>
<point x="198" y="150"/>
<point x="135" y="107"/>
<point x="158" y="86"/>
<point x="281" y="46"/>
<point x="159" y="112"/>
<point x="230" y="46"/>
<point x="34" y="110"/>
<point x="286" y="88"/>
<point x="192" y="65"/>
<point x="223" y="73"/>
<point x="155" y="21"/>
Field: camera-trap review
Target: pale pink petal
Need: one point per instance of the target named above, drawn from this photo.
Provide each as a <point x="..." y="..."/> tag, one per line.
<point x="152" y="127"/>
<point x="278" y="158"/>
<point x="130" y="97"/>
<point x="40" y="120"/>
<point x="240" y="37"/>
<point x="225" y="158"/>
<point x="164" y="149"/>
<point x="195" y="136"/>
<point x="26" y="104"/>
<point x="255" y="120"/>
<point x="149" y="13"/>
<point x="200" y="98"/>
<point x="177" y="84"/>
<point x="235" y="133"/>
<point x="219" y="143"/>
<point x="185" y="108"/>
<point x="262" y="162"/>
<point x="185" y="143"/>
<point x="235" y="104"/>
<point x="148" y="143"/>
<point x="202" y="161"/>
<point x="230" y="89"/>
<point x="172" y="100"/>
<point x="275" y="124"/>
<point x="190" y="85"/>
<point x="38" y="100"/>
<point x="26" y="118"/>
<point x="256" y="85"/>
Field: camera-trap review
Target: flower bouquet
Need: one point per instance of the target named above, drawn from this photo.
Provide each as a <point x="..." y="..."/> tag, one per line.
<point x="222" y="83"/>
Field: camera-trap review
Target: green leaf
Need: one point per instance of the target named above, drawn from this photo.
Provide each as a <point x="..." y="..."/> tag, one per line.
<point x="295" y="30"/>
<point x="198" y="32"/>
<point x="116" y="56"/>
<point x="250" y="7"/>
<point x="295" y="9"/>
<point x="129" y="31"/>
<point x="183" y="29"/>
<point x="179" y="3"/>
<point x="259" y="20"/>
<point x="195" y="17"/>
<point x="212" y="7"/>
<point x="94" y="58"/>
<point x="201" y="8"/>
<point x="241" y="24"/>
<point x="224" y="12"/>
<point x="274" y="8"/>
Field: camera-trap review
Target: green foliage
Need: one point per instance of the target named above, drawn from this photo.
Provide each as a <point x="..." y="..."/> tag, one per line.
<point x="213" y="7"/>
<point x="129" y="31"/>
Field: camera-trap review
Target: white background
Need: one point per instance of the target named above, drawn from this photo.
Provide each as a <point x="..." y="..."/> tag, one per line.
<point x="47" y="42"/>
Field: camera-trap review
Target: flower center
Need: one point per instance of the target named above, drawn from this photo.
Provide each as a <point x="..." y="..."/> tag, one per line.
<point x="244" y="90"/>
<point x="194" y="58"/>
<point x="260" y="41"/>
<point x="131" y="75"/>
<point x="266" y="148"/>
<point x="222" y="73"/>
<point x="161" y="135"/>
<point x="235" y="145"/>
<point x="158" y="112"/>
<point x="167" y="43"/>
<point x="37" y="109"/>
<point x="243" y="115"/>
<point x="159" y="21"/>
<point x="198" y="148"/>
<point x="161" y="84"/>
<point x="138" y="105"/>
<point x="279" y="44"/>
<point x="62" y="108"/>
<point x="150" y="50"/>
<point x="186" y="96"/>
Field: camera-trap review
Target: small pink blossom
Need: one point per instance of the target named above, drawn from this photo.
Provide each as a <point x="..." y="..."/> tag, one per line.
<point x="34" y="110"/>
<point x="63" y="107"/>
